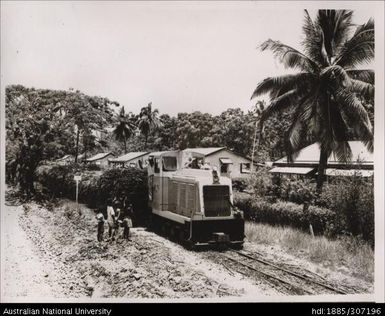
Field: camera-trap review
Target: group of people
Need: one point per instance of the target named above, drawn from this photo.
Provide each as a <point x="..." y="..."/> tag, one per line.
<point x="196" y="163"/>
<point x="118" y="215"/>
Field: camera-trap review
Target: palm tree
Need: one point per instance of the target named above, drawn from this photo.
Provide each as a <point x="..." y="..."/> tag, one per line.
<point x="259" y="107"/>
<point x="326" y="94"/>
<point x="125" y="128"/>
<point x="148" y="120"/>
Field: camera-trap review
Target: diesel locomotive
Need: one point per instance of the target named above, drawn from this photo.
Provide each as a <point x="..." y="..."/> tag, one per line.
<point x="190" y="202"/>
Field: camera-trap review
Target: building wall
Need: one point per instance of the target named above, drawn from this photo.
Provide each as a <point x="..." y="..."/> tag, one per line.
<point x="235" y="168"/>
<point x="101" y="162"/>
<point x="133" y="162"/>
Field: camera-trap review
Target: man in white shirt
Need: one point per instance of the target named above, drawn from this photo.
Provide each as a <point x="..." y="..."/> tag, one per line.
<point x="110" y="219"/>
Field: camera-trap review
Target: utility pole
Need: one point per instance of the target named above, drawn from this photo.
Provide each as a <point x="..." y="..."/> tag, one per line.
<point x="77" y="178"/>
<point x="252" y="153"/>
<point x="259" y="107"/>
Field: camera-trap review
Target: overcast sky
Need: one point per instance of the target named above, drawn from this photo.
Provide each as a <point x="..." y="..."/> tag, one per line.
<point x="182" y="56"/>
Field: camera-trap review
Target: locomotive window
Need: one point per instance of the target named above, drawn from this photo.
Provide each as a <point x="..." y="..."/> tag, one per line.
<point x="169" y="163"/>
<point x="156" y="167"/>
<point x="216" y="200"/>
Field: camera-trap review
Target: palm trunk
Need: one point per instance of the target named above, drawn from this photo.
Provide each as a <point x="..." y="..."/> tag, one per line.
<point x="125" y="145"/>
<point x="145" y="141"/>
<point x="252" y="154"/>
<point x="77" y="145"/>
<point x="85" y="146"/>
<point x="323" y="160"/>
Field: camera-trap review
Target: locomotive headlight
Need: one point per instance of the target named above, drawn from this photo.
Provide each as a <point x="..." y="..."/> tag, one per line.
<point x="215" y="175"/>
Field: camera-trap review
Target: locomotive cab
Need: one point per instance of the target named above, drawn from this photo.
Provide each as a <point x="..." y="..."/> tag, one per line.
<point x="191" y="202"/>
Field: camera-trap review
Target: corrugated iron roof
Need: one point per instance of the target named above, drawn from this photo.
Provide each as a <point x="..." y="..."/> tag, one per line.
<point x="291" y="170"/>
<point x="204" y="151"/>
<point x="160" y="153"/>
<point x="129" y="156"/>
<point x="65" y="157"/>
<point x="349" y="172"/>
<point x="311" y="154"/>
<point x="98" y="156"/>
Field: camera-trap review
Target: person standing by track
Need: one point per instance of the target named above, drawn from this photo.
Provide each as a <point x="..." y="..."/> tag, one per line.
<point x="111" y="219"/>
<point x="100" y="219"/>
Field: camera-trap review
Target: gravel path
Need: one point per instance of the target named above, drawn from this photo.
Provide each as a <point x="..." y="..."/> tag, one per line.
<point x="57" y="256"/>
<point x="24" y="277"/>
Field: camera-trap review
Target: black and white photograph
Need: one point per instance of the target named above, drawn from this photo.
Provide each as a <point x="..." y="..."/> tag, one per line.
<point x="191" y="151"/>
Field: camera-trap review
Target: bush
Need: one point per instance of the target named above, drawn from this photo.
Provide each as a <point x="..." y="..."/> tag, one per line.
<point x="352" y="200"/>
<point x="345" y="207"/>
<point x="97" y="186"/>
<point x="260" y="182"/>
<point x="291" y="214"/>
<point x="296" y="190"/>
<point x="243" y="202"/>
<point x="57" y="181"/>
<point x="128" y="183"/>
<point x="285" y="213"/>
<point x="239" y="184"/>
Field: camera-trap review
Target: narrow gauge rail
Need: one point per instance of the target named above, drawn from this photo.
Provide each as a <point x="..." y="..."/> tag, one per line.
<point x="283" y="278"/>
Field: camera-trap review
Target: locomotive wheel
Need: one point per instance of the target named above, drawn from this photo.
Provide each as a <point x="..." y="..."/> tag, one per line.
<point x="163" y="229"/>
<point x="173" y="233"/>
<point x="190" y="245"/>
<point x="181" y="236"/>
<point x="237" y="246"/>
<point x="151" y="224"/>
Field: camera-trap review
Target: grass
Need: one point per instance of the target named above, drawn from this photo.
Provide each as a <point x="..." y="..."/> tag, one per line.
<point x="348" y="252"/>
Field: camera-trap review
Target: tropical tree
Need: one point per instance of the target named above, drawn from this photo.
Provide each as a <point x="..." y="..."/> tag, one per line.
<point x="124" y="128"/>
<point x="327" y="95"/>
<point x="165" y="138"/>
<point x="148" y="121"/>
<point x="194" y="130"/>
<point x="43" y="124"/>
<point x="86" y="114"/>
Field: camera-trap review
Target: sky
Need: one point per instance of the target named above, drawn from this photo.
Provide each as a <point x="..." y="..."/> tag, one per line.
<point x="181" y="56"/>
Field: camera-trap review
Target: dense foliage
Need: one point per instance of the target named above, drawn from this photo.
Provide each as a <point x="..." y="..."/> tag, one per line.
<point x="353" y="201"/>
<point x="345" y="207"/>
<point x="96" y="187"/>
<point x="47" y="124"/>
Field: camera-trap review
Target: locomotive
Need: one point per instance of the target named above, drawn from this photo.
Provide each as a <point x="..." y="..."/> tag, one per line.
<point x="190" y="202"/>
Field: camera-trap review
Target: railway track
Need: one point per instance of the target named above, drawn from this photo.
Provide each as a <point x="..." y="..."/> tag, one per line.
<point x="283" y="278"/>
<point x="286" y="278"/>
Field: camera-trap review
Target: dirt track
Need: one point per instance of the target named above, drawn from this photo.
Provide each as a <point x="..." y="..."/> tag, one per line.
<point x="72" y="264"/>
<point x="53" y="254"/>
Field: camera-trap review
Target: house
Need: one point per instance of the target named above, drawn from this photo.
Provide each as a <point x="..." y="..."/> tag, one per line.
<point x="69" y="159"/>
<point x="132" y="159"/>
<point x="227" y="162"/>
<point x="65" y="160"/>
<point x="81" y="158"/>
<point x="307" y="159"/>
<point x="100" y="159"/>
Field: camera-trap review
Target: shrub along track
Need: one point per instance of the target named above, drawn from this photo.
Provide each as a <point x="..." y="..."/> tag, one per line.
<point x="287" y="279"/>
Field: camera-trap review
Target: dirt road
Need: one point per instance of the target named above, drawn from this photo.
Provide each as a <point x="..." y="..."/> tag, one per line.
<point x="24" y="276"/>
<point x="58" y="257"/>
<point x="52" y="254"/>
